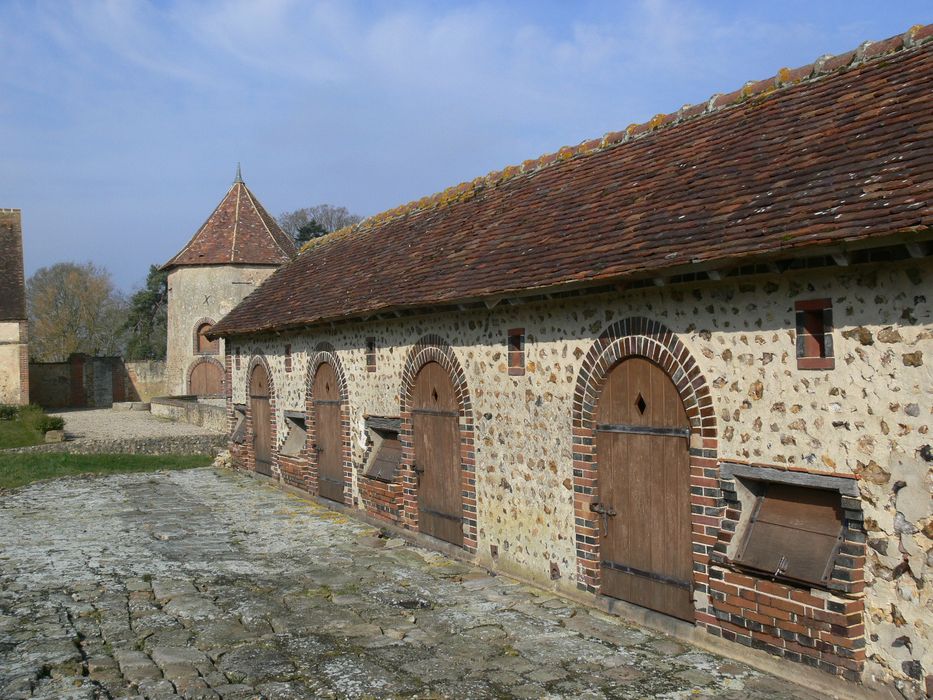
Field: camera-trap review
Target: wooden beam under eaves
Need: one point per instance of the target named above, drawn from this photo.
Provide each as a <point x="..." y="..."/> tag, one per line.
<point x="916" y="249"/>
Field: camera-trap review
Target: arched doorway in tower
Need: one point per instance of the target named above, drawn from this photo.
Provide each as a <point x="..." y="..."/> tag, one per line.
<point x="327" y="450"/>
<point x="206" y="378"/>
<point x="261" y="418"/>
<point x="643" y="473"/>
<point x="436" y="437"/>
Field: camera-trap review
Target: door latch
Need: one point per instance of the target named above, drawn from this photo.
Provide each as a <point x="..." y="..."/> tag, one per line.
<point x="605" y="512"/>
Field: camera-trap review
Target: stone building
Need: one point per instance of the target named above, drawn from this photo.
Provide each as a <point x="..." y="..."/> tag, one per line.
<point x="238" y="246"/>
<point x="14" y="348"/>
<point x="684" y="367"/>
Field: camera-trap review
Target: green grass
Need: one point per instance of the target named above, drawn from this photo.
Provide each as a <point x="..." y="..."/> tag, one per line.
<point x="24" y="468"/>
<point x="16" y="433"/>
<point x="21" y="426"/>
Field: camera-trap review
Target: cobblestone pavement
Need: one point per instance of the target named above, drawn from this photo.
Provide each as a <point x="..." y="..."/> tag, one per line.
<point x="107" y="424"/>
<point x="208" y="584"/>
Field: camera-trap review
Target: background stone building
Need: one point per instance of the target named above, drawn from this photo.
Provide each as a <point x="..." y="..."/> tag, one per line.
<point x="238" y="246"/>
<point x="685" y="367"/>
<point x="14" y="329"/>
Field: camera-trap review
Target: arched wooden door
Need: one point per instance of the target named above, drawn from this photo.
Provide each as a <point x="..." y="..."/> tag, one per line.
<point x="436" y="437"/>
<point x="207" y="379"/>
<point x="643" y="468"/>
<point x="327" y="452"/>
<point x="262" y="419"/>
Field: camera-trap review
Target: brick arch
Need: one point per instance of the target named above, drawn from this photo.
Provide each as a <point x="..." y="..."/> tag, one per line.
<point x="207" y="360"/>
<point x="324" y="353"/>
<point x="641" y="337"/>
<point x="259" y="358"/>
<point x="433" y="348"/>
<point x="195" y="336"/>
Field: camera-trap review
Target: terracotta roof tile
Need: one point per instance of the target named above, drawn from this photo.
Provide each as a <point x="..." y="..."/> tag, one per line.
<point x="12" y="282"/>
<point x="239" y="231"/>
<point x="819" y="158"/>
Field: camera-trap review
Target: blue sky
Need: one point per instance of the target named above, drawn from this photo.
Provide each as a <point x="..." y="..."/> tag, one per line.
<point x="121" y="122"/>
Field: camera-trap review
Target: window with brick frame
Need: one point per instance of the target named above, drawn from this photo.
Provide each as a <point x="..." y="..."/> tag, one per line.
<point x="814" y="320"/>
<point x="288" y="358"/>
<point x="205" y="346"/>
<point x="516" y="351"/>
<point x="370" y="354"/>
<point x="236" y="358"/>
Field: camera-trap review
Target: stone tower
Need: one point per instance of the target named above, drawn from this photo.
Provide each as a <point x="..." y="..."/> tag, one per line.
<point x="238" y="246"/>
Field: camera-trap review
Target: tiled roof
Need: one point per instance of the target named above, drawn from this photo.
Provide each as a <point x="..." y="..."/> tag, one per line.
<point x="12" y="283"/>
<point x="827" y="154"/>
<point x="239" y="231"/>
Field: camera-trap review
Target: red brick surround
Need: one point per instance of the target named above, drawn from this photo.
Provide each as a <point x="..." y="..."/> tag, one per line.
<point x="432" y="348"/>
<point x="825" y="631"/>
<point x="787" y="621"/>
<point x="640" y="337"/>
<point x="248" y="459"/>
<point x="324" y="354"/>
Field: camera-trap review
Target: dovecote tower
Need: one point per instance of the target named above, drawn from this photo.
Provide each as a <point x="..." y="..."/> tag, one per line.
<point x="238" y="246"/>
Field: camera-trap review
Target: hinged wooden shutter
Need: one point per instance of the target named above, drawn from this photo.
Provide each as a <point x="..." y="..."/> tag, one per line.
<point x="794" y="533"/>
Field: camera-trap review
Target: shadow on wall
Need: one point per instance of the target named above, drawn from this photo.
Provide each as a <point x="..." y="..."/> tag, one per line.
<point x="94" y="382"/>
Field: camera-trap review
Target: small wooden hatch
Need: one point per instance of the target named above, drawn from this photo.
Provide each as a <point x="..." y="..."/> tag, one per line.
<point x="794" y="533"/>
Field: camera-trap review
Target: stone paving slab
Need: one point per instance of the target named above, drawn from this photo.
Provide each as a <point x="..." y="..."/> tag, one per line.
<point x="209" y="584"/>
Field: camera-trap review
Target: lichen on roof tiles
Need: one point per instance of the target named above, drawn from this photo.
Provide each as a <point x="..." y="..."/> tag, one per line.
<point x="761" y="161"/>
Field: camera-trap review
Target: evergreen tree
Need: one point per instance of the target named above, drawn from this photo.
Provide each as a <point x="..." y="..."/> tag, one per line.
<point x="147" y="321"/>
<point x="310" y="230"/>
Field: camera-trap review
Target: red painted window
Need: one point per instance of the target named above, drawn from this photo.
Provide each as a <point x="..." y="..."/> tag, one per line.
<point x="815" y="334"/>
<point x="516" y="351"/>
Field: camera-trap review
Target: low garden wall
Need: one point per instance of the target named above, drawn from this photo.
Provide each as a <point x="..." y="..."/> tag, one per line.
<point x="187" y="409"/>
<point x="181" y="444"/>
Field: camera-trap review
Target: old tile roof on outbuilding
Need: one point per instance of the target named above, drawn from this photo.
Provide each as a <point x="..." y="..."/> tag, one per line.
<point x="828" y="154"/>
<point x="238" y="232"/>
<point x="12" y="283"/>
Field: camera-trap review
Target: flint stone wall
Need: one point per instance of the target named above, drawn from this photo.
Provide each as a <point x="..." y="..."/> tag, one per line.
<point x="869" y="417"/>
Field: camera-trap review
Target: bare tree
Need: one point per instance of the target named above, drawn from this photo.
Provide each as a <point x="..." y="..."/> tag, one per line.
<point x="74" y="308"/>
<point x="327" y="217"/>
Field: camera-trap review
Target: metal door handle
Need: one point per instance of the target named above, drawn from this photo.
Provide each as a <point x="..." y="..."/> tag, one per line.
<point x="605" y="512"/>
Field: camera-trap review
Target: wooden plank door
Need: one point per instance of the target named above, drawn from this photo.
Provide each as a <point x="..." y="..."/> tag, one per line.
<point x="643" y="472"/>
<point x="206" y="380"/>
<point x="262" y="419"/>
<point x="326" y="450"/>
<point x="436" y="437"/>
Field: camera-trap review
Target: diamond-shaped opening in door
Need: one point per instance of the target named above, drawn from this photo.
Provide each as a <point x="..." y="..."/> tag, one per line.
<point x="434" y="395"/>
<point x="640" y="404"/>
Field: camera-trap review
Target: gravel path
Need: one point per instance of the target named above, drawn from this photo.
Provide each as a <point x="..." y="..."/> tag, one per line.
<point x="209" y="584"/>
<point x="107" y="424"/>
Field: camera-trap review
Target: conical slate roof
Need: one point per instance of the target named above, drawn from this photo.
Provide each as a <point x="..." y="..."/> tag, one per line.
<point x="239" y="232"/>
